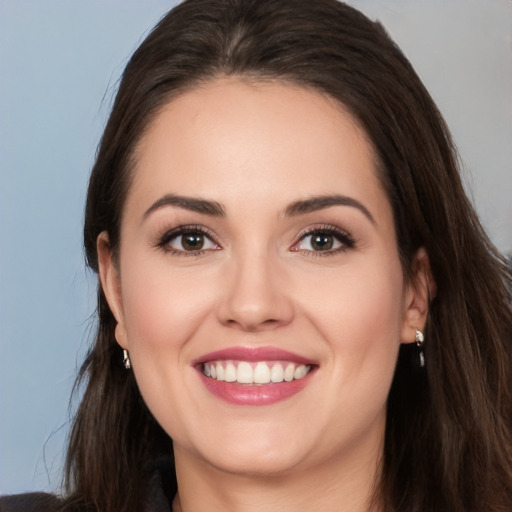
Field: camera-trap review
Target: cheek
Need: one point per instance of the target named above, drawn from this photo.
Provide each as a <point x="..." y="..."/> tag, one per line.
<point x="359" y="303"/>
<point x="162" y="308"/>
<point x="360" y="315"/>
<point x="361" y="324"/>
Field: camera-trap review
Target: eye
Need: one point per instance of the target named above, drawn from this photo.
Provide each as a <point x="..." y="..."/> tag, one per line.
<point x="187" y="240"/>
<point x="326" y="240"/>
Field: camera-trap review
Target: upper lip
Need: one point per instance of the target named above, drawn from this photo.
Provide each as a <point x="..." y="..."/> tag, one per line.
<point x="253" y="354"/>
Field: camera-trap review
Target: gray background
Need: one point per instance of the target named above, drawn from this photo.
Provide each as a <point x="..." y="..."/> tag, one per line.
<point x="59" y="64"/>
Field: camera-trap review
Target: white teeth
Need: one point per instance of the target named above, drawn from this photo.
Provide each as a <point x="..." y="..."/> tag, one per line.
<point x="261" y="372"/>
<point x="277" y="373"/>
<point x="244" y="373"/>
<point x="300" y="372"/>
<point x="230" y="373"/>
<point x="288" y="373"/>
<point x="220" y="371"/>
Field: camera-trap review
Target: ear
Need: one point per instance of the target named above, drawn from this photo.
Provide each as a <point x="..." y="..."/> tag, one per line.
<point x="111" y="285"/>
<point x="419" y="291"/>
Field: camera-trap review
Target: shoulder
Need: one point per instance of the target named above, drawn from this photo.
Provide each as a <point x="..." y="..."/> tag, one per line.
<point x="31" y="502"/>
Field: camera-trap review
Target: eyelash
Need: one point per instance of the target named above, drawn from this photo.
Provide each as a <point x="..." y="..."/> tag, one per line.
<point x="344" y="238"/>
<point x="164" y="240"/>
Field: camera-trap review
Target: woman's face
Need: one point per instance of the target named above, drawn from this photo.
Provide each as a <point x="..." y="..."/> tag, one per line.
<point x="259" y="289"/>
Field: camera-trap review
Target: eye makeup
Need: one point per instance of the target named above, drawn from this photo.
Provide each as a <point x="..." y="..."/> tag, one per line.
<point x="324" y="240"/>
<point x="187" y="240"/>
<point x="196" y="240"/>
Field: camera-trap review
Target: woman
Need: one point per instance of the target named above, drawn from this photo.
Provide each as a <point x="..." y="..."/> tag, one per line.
<point x="294" y="287"/>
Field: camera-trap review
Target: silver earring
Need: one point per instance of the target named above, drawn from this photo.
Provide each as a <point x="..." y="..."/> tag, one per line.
<point x="420" y="340"/>
<point x="126" y="359"/>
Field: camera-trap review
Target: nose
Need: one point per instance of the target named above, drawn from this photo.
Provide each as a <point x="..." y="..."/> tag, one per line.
<point x="256" y="296"/>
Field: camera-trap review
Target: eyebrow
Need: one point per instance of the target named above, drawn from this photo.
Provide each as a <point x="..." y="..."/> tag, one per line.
<point x="301" y="207"/>
<point x="188" y="203"/>
<point x="320" y="202"/>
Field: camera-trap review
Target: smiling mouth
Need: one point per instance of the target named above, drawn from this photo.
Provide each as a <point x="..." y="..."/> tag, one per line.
<point x="254" y="376"/>
<point x="257" y="372"/>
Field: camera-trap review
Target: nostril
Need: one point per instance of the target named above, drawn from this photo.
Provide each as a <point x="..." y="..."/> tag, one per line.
<point x="255" y="324"/>
<point x="252" y="300"/>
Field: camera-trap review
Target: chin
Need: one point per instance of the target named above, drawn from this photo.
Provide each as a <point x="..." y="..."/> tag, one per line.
<point x="262" y="451"/>
<point x="269" y="464"/>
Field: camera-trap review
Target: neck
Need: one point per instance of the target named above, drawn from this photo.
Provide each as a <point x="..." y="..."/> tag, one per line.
<point x="347" y="483"/>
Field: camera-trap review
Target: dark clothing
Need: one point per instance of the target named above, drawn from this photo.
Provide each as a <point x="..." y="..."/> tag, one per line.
<point x="32" y="502"/>
<point x="161" y="491"/>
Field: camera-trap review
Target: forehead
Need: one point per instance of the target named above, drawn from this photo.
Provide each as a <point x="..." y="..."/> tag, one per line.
<point x="231" y="139"/>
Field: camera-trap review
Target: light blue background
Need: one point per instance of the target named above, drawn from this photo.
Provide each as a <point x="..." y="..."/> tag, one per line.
<point x="59" y="64"/>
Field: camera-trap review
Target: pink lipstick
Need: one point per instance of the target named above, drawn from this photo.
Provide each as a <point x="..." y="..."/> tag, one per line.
<point x="254" y="376"/>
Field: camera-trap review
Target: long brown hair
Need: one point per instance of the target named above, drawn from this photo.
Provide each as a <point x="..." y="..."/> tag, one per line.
<point x="448" y="444"/>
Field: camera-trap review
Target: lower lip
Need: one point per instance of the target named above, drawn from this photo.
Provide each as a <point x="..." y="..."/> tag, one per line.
<point x="254" y="394"/>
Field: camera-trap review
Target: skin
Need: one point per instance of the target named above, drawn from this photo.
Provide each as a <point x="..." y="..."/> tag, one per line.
<point x="255" y="149"/>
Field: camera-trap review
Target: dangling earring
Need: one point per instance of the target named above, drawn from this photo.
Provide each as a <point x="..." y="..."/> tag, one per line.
<point x="126" y="359"/>
<point x="420" y="340"/>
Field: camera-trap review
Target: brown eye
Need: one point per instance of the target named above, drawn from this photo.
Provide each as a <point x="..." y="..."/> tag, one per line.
<point x="192" y="241"/>
<point x="322" y="242"/>
<point x="329" y="241"/>
<point x="187" y="240"/>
